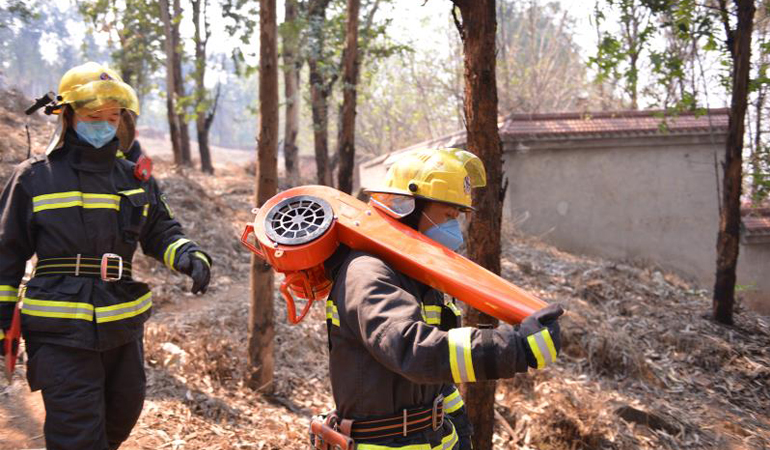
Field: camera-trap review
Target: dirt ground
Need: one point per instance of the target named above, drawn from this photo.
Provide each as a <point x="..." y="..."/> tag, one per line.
<point x="642" y="366"/>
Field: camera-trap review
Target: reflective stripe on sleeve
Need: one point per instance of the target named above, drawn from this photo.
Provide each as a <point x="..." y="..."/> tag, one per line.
<point x="124" y="310"/>
<point x="431" y="314"/>
<point x="71" y="199"/>
<point x="542" y="347"/>
<point x="332" y="313"/>
<point x="58" y="310"/>
<point x="202" y="257"/>
<point x="453" y="402"/>
<point x="460" y="360"/>
<point x="169" y="256"/>
<point x="2" y="336"/>
<point x="8" y="293"/>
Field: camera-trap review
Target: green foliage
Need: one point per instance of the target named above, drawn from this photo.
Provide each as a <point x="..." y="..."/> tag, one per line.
<point x="23" y="10"/>
<point x="136" y="39"/>
<point x="241" y="20"/>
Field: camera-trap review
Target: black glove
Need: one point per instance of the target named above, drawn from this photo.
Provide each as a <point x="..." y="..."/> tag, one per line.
<point x="196" y="266"/>
<point x="536" y="342"/>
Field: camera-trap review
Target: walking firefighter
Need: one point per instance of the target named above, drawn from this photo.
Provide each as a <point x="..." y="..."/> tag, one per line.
<point x="83" y="211"/>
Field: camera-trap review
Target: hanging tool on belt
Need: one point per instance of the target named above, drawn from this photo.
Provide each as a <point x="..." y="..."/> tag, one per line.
<point x="327" y="438"/>
<point x="12" y="341"/>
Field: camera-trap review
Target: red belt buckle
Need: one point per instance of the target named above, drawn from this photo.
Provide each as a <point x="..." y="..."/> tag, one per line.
<point x="106" y="258"/>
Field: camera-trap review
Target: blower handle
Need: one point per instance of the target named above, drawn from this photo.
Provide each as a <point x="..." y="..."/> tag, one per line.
<point x="290" y="306"/>
<point x="245" y="241"/>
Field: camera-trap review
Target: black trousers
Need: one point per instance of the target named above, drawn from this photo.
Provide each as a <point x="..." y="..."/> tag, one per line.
<point x="92" y="399"/>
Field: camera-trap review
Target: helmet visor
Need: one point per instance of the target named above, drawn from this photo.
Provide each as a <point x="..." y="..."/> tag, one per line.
<point x="100" y="95"/>
<point x="473" y="167"/>
<point x="395" y="205"/>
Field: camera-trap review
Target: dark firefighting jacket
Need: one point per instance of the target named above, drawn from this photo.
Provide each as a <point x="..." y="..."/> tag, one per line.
<point x="82" y="201"/>
<point x="396" y="344"/>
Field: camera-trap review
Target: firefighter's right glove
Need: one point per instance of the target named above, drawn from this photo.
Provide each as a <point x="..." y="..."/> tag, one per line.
<point x="198" y="267"/>
<point x="542" y="336"/>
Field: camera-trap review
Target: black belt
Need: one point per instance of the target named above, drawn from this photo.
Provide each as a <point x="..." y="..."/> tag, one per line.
<point x="408" y="422"/>
<point x="108" y="267"/>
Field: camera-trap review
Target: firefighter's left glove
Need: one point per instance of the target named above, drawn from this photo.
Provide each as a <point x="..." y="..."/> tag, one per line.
<point x="542" y="336"/>
<point x="197" y="266"/>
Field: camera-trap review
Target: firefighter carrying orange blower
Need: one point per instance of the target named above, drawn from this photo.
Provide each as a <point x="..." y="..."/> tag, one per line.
<point x="396" y="345"/>
<point x="83" y="211"/>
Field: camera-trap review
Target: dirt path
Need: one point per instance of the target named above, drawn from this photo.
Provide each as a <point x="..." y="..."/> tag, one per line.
<point x="22" y="412"/>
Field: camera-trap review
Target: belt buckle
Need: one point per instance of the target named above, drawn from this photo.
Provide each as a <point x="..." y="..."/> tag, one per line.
<point x="106" y="258"/>
<point x="437" y="423"/>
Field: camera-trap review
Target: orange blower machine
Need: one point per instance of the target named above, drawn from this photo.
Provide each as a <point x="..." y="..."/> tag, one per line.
<point x="298" y="229"/>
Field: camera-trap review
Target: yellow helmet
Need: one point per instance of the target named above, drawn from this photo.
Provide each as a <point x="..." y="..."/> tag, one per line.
<point x="445" y="175"/>
<point x="93" y="87"/>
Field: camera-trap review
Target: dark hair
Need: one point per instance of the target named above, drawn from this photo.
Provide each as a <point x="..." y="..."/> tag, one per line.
<point x="69" y="115"/>
<point x="413" y="219"/>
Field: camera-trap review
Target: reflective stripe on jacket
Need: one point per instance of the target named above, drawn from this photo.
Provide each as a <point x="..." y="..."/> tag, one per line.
<point x="80" y="200"/>
<point x="392" y="346"/>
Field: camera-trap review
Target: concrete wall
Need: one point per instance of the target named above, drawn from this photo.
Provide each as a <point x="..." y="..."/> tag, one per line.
<point x="648" y="198"/>
<point x="754" y="276"/>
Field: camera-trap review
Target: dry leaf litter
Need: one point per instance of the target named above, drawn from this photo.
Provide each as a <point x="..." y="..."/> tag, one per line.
<point x="642" y="365"/>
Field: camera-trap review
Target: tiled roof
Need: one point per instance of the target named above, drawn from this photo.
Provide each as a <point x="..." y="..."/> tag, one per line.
<point x="538" y="126"/>
<point x="516" y="127"/>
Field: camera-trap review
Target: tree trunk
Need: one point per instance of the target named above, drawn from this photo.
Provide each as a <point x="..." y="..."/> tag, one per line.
<point x="478" y="35"/>
<point x="347" y="132"/>
<point x="173" y="125"/>
<point x="739" y="43"/>
<point x="201" y="38"/>
<point x="261" y="327"/>
<point x="291" y="68"/>
<point x="184" y="132"/>
<point x="320" y="89"/>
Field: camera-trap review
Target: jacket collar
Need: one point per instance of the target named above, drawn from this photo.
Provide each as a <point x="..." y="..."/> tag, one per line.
<point x="333" y="263"/>
<point x="83" y="156"/>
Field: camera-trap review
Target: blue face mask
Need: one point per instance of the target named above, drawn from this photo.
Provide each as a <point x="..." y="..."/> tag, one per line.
<point x="97" y="133"/>
<point x="447" y="234"/>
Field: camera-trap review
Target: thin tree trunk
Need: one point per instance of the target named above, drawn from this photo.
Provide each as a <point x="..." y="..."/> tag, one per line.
<point x="184" y="133"/>
<point x="478" y="34"/>
<point x="261" y="327"/>
<point x="291" y="68"/>
<point x="320" y="89"/>
<point x="201" y="38"/>
<point x="347" y="133"/>
<point x="739" y="43"/>
<point x="173" y="125"/>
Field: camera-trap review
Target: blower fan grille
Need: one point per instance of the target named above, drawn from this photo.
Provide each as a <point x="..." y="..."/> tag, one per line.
<point x="298" y="220"/>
